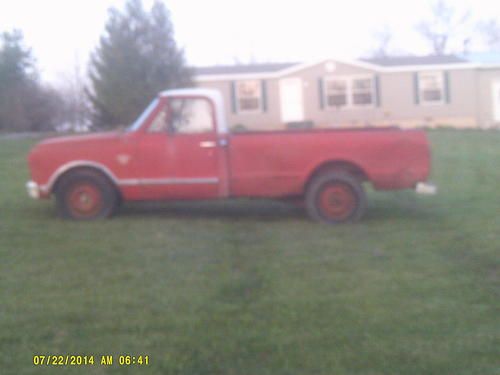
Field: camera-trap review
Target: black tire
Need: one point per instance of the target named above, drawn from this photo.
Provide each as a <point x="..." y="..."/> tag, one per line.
<point x="85" y="195"/>
<point x="335" y="198"/>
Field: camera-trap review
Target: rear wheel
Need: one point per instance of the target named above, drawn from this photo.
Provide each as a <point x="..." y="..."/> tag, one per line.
<point x="85" y="195"/>
<point x="335" y="198"/>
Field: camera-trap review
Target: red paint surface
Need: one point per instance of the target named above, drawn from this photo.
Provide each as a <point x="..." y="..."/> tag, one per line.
<point x="259" y="164"/>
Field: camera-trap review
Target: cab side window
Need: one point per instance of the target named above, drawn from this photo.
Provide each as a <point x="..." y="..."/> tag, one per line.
<point x="159" y="124"/>
<point x="191" y="116"/>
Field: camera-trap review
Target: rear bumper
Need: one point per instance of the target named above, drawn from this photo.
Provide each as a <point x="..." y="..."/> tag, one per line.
<point x="426" y="188"/>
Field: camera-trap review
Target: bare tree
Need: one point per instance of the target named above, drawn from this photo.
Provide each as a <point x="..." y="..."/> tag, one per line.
<point x="490" y="31"/>
<point x="26" y="104"/>
<point x="382" y="39"/>
<point x="76" y="113"/>
<point x="444" y="24"/>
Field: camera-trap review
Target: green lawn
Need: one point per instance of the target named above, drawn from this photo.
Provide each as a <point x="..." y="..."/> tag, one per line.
<point x="255" y="288"/>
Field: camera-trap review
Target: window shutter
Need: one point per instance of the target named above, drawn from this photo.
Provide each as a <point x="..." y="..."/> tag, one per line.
<point x="376" y="82"/>
<point x="233" y="97"/>
<point x="264" y="95"/>
<point x="321" y="93"/>
<point x="416" y="88"/>
<point x="447" y="96"/>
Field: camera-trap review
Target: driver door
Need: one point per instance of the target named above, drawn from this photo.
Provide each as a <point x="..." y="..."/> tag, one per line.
<point x="155" y="169"/>
<point x="192" y="141"/>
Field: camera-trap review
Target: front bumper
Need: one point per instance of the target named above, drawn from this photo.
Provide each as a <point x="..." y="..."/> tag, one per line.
<point x="33" y="189"/>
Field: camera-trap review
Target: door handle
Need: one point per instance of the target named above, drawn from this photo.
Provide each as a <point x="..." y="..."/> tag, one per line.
<point x="207" y="144"/>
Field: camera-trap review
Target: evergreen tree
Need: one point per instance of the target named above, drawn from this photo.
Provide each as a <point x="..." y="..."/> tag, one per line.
<point x="16" y="61"/>
<point x="137" y="57"/>
<point x="16" y="75"/>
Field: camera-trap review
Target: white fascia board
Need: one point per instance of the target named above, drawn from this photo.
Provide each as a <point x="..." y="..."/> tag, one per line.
<point x="360" y="64"/>
<point x="489" y="66"/>
<point x="421" y="68"/>
<point x="235" y="77"/>
<point x="283" y="72"/>
<point x="189" y="91"/>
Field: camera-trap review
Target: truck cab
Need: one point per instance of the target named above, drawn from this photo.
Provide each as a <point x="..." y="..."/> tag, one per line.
<point x="182" y="141"/>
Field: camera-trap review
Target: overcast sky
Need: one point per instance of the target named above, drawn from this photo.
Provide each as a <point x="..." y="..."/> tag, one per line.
<point x="220" y="31"/>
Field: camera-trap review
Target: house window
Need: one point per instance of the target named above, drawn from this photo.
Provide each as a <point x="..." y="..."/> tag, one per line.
<point x="349" y="92"/>
<point x="249" y="96"/>
<point x="336" y="92"/>
<point x="362" y="91"/>
<point x="431" y="87"/>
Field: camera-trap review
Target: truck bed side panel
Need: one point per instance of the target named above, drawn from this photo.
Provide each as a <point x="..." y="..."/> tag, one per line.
<point x="278" y="164"/>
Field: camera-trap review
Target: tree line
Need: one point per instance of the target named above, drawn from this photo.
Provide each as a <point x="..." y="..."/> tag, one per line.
<point x="137" y="56"/>
<point x="25" y="103"/>
<point x="446" y="30"/>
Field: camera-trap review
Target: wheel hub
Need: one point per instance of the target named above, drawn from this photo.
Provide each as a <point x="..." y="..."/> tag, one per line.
<point x="84" y="200"/>
<point x="337" y="201"/>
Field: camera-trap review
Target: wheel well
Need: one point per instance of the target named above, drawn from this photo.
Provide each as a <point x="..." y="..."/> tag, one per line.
<point x="88" y="170"/>
<point x="337" y="166"/>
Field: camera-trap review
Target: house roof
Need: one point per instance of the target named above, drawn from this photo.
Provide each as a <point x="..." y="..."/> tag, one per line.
<point x="386" y="64"/>
<point x="399" y="61"/>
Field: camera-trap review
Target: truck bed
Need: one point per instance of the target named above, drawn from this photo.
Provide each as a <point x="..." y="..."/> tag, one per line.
<point x="279" y="163"/>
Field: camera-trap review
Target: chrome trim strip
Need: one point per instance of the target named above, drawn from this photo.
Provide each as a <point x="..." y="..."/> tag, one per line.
<point x="168" y="181"/>
<point x="47" y="188"/>
<point x="128" y="182"/>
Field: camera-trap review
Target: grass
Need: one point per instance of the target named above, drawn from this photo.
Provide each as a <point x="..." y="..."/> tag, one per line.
<point x="255" y="287"/>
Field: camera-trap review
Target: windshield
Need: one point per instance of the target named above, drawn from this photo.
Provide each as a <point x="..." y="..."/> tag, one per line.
<point x="140" y="120"/>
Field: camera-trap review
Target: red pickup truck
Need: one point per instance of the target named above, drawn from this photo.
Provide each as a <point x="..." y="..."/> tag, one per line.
<point x="180" y="149"/>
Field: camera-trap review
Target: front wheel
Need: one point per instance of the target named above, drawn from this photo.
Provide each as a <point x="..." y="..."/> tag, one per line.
<point x="85" y="196"/>
<point x="335" y="198"/>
